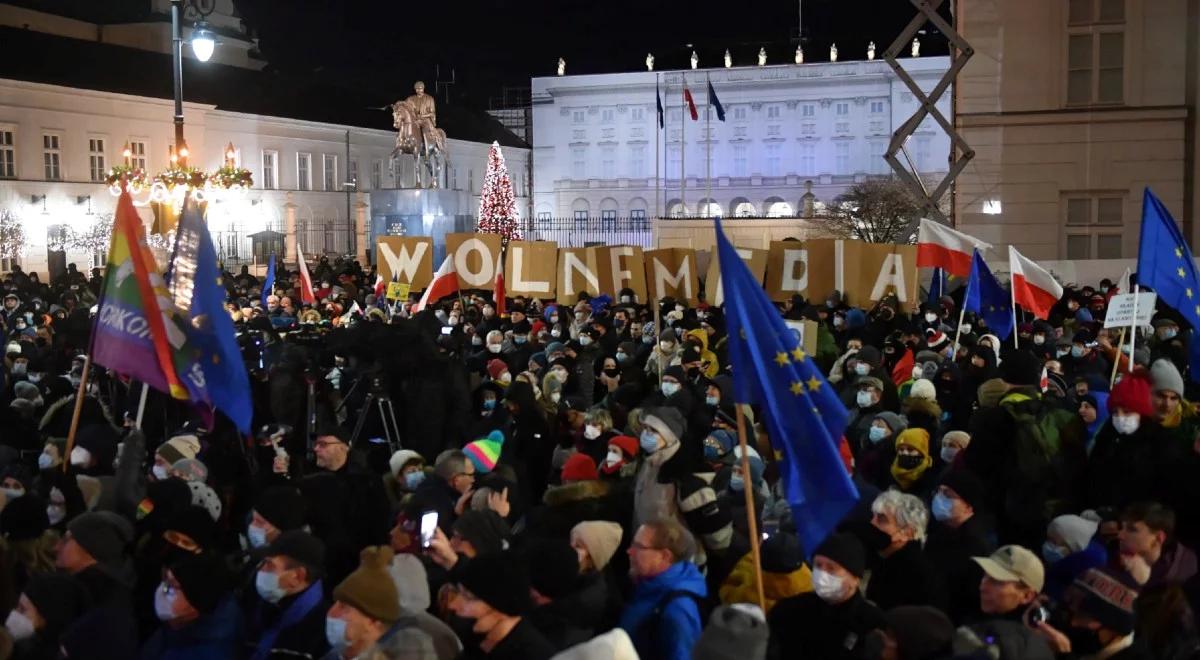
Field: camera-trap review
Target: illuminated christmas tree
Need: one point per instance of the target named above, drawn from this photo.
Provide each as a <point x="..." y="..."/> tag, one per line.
<point x="497" y="203"/>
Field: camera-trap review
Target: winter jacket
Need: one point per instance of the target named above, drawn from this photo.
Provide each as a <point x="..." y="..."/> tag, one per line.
<point x="297" y="624"/>
<point x="805" y="627"/>
<point x="906" y="578"/>
<point x="214" y="635"/>
<point x="1124" y="468"/>
<point x="1014" y="639"/>
<point x="951" y="549"/>
<point x="556" y="622"/>
<point x="712" y="365"/>
<point x="662" y="628"/>
<point x="434" y="494"/>
<point x="348" y="510"/>
<point x="523" y="642"/>
<point x="567" y="505"/>
<point x="740" y="586"/>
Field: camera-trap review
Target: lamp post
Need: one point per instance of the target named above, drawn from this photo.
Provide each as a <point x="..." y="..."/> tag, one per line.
<point x="202" y="47"/>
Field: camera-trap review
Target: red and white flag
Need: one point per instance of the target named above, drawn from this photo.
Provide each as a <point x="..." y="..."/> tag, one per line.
<point x="687" y="96"/>
<point x="445" y="282"/>
<point x="1033" y="287"/>
<point x="939" y="246"/>
<point x="380" y="286"/>
<point x="307" y="296"/>
<point x="498" y="294"/>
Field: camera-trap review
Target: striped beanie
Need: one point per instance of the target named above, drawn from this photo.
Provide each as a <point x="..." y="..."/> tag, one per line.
<point x="484" y="452"/>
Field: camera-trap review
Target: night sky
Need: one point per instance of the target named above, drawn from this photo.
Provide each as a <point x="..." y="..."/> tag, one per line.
<point x="490" y="44"/>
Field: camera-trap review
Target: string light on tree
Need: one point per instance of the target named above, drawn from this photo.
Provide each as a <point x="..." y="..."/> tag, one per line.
<point x="497" y="203"/>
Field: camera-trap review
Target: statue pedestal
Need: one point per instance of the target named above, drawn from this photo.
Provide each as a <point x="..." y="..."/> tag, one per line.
<point x="416" y="212"/>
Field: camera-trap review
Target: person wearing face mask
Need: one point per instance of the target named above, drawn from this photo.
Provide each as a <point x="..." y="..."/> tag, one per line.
<point x="868" y="363"/>
<point x="902" y="574"/>
<point x="864" y="405"/>
<point x="960" y="531"/>
<point x="366" y="619"/>
<point x="1084" y="359"/>
<point x="1100" y="616"/>
<point x="1124" y="465"/>
<point x="494" y="595"/>
<point x="597" y="431"/>
<point x="288" y="615"/>
<point x="911" y="468"/>
<point x="518" y="349"/>
<point x="586" y="355"/>
<point x="665" y="354"/>
<point x="833" y="620"/>
<point x="176" y="449"/>
<point x="1071" y="548"/>
<point x="47" y="606"/>
<point x="621" y="461"/>
<point x="499" y="373"/>
<point x="406" y="471"/>
<point x="875" y="450"/>
<point x="276" y="510"/>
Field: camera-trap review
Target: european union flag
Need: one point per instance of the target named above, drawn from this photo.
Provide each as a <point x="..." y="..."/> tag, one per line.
<point x="268" y="283"/>
<point x="937" y="286"/>
<point x="804" y="415"/>
<point x="658" y="104"/>
<point x="209" y="363"/>
<point x="987" y="299"/>
<point x="1165" y="264"/>
<point x="715" y="102"/>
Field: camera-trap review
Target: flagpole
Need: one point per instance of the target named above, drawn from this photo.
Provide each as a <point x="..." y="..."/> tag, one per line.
<point x="1133" y="326"/>
<point x="79" y="392"/>
<point x="658" y="130"/>
<point x="1012" y="289"/>
<point x="141" y="407"/>
<point x="751" y="523"/>
<point x="1117" y="359"/>
<point x="708" y="148"/>
<point x="958" y="331"/>
<point x="683" y="111"/>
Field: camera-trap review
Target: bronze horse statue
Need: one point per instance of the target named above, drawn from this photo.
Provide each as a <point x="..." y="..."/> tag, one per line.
<point x="423" y="140"/>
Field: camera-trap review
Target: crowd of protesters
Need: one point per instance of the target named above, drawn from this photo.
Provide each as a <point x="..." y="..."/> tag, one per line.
<point x="583" y="464"/>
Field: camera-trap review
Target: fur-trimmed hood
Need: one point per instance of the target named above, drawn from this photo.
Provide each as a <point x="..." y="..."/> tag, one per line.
<point x="577" y="491"/>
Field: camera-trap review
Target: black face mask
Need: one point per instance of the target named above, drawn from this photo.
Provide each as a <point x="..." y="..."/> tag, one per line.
<point x="612" y="373"/>
<point x="909" y="461"/>
<point x="874" y="538"/>
<point x="693" y="373"/>
<point x="1084" y="641"/>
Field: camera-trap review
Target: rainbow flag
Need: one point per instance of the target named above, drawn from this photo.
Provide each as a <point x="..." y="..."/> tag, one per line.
<point x="136" y="331"/>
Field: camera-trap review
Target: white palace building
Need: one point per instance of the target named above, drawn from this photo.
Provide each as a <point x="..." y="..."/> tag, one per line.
<point x="598" y="151"/>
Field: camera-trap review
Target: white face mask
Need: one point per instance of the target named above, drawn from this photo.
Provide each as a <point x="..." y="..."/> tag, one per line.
<point x="493" y="348"/>
<point x="591" y="432"/>
<point x="505" y="377"/>
<point x="931" y="317"/>
<point x="556" y="397"/>
<point x="12" y="493"/>
<point x="828" y="587"/>
<point x="585" y="340"/>
<point x="159" y="472"/>
<point x="918" y="372"/>
<point x="614" y="457"/>
<point x="46" y="461"/>
<point x="1038" y="340"/>
<point x="164" y="605"/>
<point x="949" y="453"/>
<point x="55" y="513"/>
<point x="862" y="368"/>
<point x="670" y="388"/>
<point x="864" y="399"/>
<point x="1127" y="424"/>
<point x="80" y="456"/>
<point x="559" y="374"/>
<point x="19" y="626"/>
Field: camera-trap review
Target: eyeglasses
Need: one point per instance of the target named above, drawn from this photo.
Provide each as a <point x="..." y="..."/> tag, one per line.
<point x="638" y="546"/>
<point x="327" y="444"/>
<point x="469" y="475"/>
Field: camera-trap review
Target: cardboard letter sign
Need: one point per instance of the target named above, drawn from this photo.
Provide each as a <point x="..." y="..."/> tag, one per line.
<point x="529" y="268"/>
<point x="410" y="259"/>
<point x="672" y="272"/>
<point x="626" y="270"/>
<point x="756" y="261"/>
<point x="476" y="257"/>
<point x="578" y="270"/>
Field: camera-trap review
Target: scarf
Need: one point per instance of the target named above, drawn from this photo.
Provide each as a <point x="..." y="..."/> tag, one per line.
<point x="915" y="439"/>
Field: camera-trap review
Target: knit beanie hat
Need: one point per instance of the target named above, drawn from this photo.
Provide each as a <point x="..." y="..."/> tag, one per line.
<point x="282" y="506"/>
<point x="894" y="422"/>
<point x="59" y="599"/>
<point x="612" y="645"/>
<point x="1107" y="596"/>
<point x="203" y="578"/>
<point x="484" y="452"/>
<point x="24" y="518"/>
<point x="104" y="535"/>
<point x="195" y="523"/>
<point x="667" y="422"/>
<point x="24" y="389"/>
<point x="718" y="443"/>
<point x="499" y="579"/>
<point x="600" y="537"/>
<point x="495" y="367"/>
<point x="966" y="485"/>
<point x="369" y="589"/>
<point x="178" y="448"/>
<point x="191" y="469"/>
<point x="402" y="458"/>
<point x="579" y="467"/>
<point x="921" y="632"/>
<point x="553" y="567"/>
<point x="1075" y="531"/>
<point x="991" y="391"/>
<point x="1021" y="367"/>
<point x="923" y="389"/>
<point x="781" y="553"/>
<point x="847" y="551"/>
<point x="206" y="497"/>
<point x="936" y="340"/>
<point x="1165" y="377"/>
<point x="485" y="530"/>
<point x="1132" y="393"/>
<point x="302" y="548"/>
<point x="734" y="632"/>
<point x="626" y="443"/>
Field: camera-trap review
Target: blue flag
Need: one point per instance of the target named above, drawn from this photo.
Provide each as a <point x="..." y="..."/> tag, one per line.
<point x="987" y="299"/>
<point x="1165" y="264"/>
<point x="804" y="415"/>
<point x="715" y="102"/>
<point x="937" y="286"/>
<point x="216" y="375"/>
<point x="658" y="104"/>
<point x="268" y="283"/>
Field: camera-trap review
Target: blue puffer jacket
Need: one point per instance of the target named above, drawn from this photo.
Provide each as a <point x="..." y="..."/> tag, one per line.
<point x="678" y="626"/>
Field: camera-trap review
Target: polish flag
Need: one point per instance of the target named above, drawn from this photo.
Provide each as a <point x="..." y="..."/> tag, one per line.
<point x="380" y="286"/>
<point x="498" y="294"/>
<point x="445" y="282"/>
<point x="1033" y="287"/>
<point x="939" y="246"/>
<point x="687" y="96"/>
<point x="306" y="286"/>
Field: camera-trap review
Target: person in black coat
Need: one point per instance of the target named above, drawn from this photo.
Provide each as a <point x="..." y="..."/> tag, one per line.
<point x="286" y="616"/>
<point x="529" y="445"/>
<point x="94" y="553"/>
<point x="445" y="490"/>
<point x="1124" y="465"/>
<point x="902" y="574"/>
<point x="832" y="621"/>
<point x="959" y="532"/>
<point x="554" y="575"/>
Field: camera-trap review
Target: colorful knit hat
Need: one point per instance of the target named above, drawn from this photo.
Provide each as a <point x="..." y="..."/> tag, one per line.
<point x="484" y="452"/>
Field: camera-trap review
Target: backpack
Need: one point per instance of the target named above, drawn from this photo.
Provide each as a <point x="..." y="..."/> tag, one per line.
<point x="1037" y="444"/>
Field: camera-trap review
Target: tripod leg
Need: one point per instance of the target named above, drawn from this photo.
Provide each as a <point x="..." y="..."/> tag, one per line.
<point x="362" y="418"/>
<point x="390" y="431"/>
